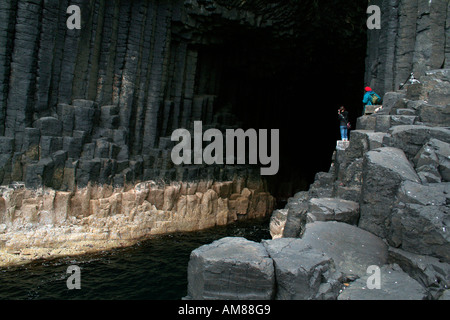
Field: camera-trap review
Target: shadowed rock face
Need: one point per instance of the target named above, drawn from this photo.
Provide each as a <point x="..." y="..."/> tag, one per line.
<point x="100" y="103"/>
<point x="86" y="115"/>
<point x="379" y="216"/>
<point x="48" y="223"/>
<point x="412" y="39"/>
<point x="244" y="267"/>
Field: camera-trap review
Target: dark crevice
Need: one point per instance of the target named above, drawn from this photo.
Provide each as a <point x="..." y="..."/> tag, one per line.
<point x="295" y="86"/>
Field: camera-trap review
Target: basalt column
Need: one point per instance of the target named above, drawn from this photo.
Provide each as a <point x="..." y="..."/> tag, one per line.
<point x="413" y="38"/>
<point x="95" y="107"/>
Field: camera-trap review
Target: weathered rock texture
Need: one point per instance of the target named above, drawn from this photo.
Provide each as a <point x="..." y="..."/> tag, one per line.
<point x="413" y="38"/>
<point x="98" y="104"/>
<point x="397" y="175"/>
<point x="85" y="114"/>
<point x="99" y="217"/>
<point x="384" y="202"/>
<point x="231" y="268"/>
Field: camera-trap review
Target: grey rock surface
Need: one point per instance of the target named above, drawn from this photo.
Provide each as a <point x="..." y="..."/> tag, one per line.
<point x="326" y="209"/>
<point x="430" y="272"/>
<point x="411" y="138"/>
<point x="352" y="249"/>
<point x="301" y="272"/>
<point x="435" y="154"/>
<point x="231" y="268"/>
<point x="384" y="169"/>
<point x="394" y="285"/>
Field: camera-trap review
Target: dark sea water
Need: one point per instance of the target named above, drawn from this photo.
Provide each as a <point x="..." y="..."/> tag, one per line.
<point x="154" y="269"/>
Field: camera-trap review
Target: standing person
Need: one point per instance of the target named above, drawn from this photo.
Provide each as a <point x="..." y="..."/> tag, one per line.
<point x="343" y="123"/>
<point x="370" y="98"/>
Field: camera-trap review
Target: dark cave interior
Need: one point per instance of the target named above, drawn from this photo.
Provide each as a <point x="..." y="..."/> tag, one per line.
<point x="295" y="85"/>
<point x="289" y="66"/>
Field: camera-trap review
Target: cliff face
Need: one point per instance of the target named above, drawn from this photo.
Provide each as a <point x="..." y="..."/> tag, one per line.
<point x="415" y="37"/>
<point x="94" y="108"/>
<point x="99" y="104"/>
<point x="86" y="117"/>
<point x="375" y="225"/>
<point x="382" y="208"/>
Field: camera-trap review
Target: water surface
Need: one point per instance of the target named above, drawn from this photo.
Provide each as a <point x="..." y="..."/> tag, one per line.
<point x="154" y="269"/>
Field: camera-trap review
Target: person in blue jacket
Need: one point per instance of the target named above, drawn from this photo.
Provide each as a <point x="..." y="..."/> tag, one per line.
<point x="367" y="100"/>
<point x="343" y="123"/>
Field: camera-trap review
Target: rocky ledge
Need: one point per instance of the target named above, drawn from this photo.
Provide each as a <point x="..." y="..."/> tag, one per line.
<point x="44" y="223"/>
<point x="382" y="208"/>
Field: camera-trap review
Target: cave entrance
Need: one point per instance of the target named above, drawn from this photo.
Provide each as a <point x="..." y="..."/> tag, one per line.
<point x="294" y="86"/>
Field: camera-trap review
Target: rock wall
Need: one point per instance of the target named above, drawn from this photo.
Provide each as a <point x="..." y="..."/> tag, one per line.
<point x="384" y="203"/>
<point x="86" y="117"/>
<point x="98" y="104"/>
<point x="414" y="37"/>
<point x="38" y="223"/>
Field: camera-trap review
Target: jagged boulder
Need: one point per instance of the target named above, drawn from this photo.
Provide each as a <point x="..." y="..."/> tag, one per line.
<point x="296" y="217"/>
<point x="392" y="101"/>
<point x="366" y="122"/>
<point x="385" y="122"/>
<point x="231" y="268"/>
<point x="384" y="169"/>
<point x="301" y="272"/>
<point x="349" y="163"/>
<point x="430" y="272"/>
<point x="435" y="87"/>
<point x="363" y="141"/>
<point x="278" y="222"/>
<point x="420" y="220"/>
<point x="352" y="249"/>
<point x="85" y="115"/>
<point x="434" y="115"/>
<point x="49" y="126"/>
<point x="395" y="284"/>
<point x="445" y="295"/>
<point x="434" y="158"/>
<point x="322" y="185"/>
<point x="334" y="209"/>
<point x="411" y="138"/>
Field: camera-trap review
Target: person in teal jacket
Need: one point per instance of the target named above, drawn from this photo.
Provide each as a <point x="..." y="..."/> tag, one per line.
<point x="367" y="100"/>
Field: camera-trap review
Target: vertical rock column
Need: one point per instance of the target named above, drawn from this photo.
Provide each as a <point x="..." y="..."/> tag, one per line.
<point x="123" y="26"/>
<point x="23" y="70"/>
<point x="132" y="62"/>
<point x="138" y="114"/>
<point x="85" y="76"/>
<point x="107" y="53"/>
<point x="156" y="90"/>
<point x="414" y="37"/>
<point x="59" y="35"/>
<point x="177" y="88"/>
<point x="447" y="38"/>
<point x="7" y="22"/>
<point x="189" y="82"/>
<point x="387" y="39"/>
<point x="69" y="58"/>
<point x="406" y="38"/>
<point x="47" y="43"/>
<point x="429" y="52"/>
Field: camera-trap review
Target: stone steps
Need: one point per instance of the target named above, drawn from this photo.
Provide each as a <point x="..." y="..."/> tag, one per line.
<point x="394" y="170"/>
